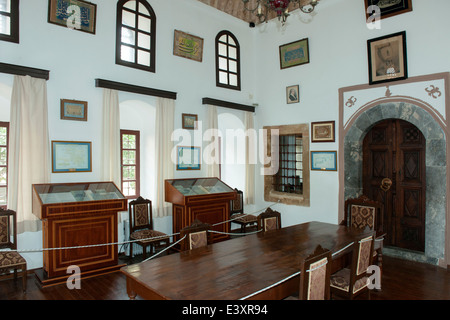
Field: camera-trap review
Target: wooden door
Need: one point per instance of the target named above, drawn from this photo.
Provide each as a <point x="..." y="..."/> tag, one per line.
<point x="394" y="150"/>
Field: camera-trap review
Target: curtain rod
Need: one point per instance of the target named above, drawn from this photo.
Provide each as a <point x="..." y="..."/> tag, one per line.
<point x="24" y="71"/>
<point x="100" y="83"/>
<point x="226" y="104"/>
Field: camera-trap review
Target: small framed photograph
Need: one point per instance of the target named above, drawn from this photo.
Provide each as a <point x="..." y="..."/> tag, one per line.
<point x="292" y="94"/>
<point x="189" y="121"/>
<point x="322" y="131"/>
<point x="324" y="160"/>
<point x="389" y="8"/>
<point x="187" y="46"/>
<point x="294" y="53"/>
<point x="71" y="156"/>
<point x="188" y="158"/>
<point x="387" y="58"/>
<point x="74" y="110"/>
<point x="74" y="14"/>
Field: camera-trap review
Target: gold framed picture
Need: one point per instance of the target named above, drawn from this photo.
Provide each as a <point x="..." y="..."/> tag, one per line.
<point x="74" y="110"/>
<point x="322" y="131"/>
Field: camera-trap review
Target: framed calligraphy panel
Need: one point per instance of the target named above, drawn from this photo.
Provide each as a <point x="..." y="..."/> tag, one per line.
<point x="187" y="46"/>
<point x="294" y="53"/>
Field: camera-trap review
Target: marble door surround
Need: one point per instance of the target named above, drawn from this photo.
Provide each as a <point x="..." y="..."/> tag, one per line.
<point x="422" y="101"/>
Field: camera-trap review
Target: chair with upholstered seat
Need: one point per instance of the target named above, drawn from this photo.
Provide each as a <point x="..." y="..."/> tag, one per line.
<point x="269" y="220"/>
<point x="352" y="281"/>
<point x="195" y="236"/>
<point x="315" y="274"/>
<point x="362" y="213"/>
<point x="141" y="227"/>
<point x="11" y="260"/>
<point x="237" y="214"/>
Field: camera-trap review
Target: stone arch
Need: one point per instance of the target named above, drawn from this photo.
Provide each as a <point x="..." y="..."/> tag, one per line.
<point x="436" y="168"/>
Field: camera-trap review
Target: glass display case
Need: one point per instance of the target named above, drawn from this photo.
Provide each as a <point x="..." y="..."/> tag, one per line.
<point x="78" y="214"/>
<point x="190" y="187"/>
<point x="76" y="192"/>
<point x="204" y="199"/>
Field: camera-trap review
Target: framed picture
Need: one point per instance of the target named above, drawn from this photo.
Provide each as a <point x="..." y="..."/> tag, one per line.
<point x="189" y="121"/>
<point x="389" y="8"/>
<point x="324" y="160"/>
<point x="73" y="14"/>
<point x="294" y="53"/>
<point x="74" y="110"/>
<point x="292" y="94"/>
<point x="322" y="131"/>
<point x="387" y="58"/>
<point x="188" y="158"/>
<point x="71" y="156"/>
<point x="187" y="46"/>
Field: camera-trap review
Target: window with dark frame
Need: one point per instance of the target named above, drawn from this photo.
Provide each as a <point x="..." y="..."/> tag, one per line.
<point x="136" y="35"/>
<point x="228" y="70"/>
<point x="9" y="20"/>
<point x="290" y="173"/>
<point x="4" y="144"/>
<point x="130" y="164"/>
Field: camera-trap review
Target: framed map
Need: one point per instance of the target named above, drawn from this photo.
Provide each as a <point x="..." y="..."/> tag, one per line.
<point x="71" y="156"/>
<point x="324" y="160"/>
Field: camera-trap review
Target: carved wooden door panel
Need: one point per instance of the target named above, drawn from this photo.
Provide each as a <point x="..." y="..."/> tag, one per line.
<point x="394" y="154"/>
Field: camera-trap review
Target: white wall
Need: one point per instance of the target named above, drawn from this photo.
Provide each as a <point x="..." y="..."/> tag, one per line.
<point x="75" y="59"/>
<point x="338" y="37"/>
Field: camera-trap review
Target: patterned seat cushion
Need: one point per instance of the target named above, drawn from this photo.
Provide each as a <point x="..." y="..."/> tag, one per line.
<point x="244" y="218"/>
<point x="341" y="281"/>
<point x="146" y="234"/>
<point x="11" y="259"/>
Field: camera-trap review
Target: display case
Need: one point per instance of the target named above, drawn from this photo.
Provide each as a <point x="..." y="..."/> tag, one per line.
<point x="204" y="199"/>
<point x="80" y="215"/>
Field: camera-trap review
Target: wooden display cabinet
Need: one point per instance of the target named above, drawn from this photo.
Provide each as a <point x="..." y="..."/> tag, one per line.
<point x="74" y="215"/>
<point x="205" y="199"/>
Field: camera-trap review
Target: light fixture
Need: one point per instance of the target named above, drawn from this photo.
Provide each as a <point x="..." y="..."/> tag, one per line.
<point x="263" y="8"/>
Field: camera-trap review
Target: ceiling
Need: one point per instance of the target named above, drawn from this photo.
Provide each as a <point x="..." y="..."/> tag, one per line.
<point x="236" y="8"/>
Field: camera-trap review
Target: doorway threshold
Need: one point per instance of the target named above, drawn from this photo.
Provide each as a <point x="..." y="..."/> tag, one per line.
<point x="409" y="255"/>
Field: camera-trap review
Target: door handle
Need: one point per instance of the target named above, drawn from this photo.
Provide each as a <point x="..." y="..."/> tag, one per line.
<point x="386" y="184"/>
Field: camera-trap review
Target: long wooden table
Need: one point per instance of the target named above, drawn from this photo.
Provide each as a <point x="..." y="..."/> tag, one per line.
<point x="260" y="266"/>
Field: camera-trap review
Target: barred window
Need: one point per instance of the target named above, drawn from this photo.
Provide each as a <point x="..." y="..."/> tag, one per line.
<point x="289" y="180"/>
<point x="290" y="173"/>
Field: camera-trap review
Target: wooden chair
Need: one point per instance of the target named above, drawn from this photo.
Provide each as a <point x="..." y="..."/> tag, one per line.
<point x="351" y="281"/>
<point x="362" y="213"/>
<point x="269" y="220"/>
<point x="315" y="274"/>
<point x="141" y="227"/>
<point x="11" y="260"/>
<point x="197" y="236"/>
<point x="237" y="212"/>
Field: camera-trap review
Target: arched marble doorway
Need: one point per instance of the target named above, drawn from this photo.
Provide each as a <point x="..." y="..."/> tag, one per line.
<point x="436" y="168"/>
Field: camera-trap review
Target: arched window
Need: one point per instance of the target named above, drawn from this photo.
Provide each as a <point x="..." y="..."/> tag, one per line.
<point x="9" y="20"/>
<point x="135" y="34"/>
<point x="228" y="69"/>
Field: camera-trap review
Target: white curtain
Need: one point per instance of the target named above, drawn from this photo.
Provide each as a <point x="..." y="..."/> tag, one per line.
<point x="250" y="158"/>
<point x="165" y="111"/>
<point x="111" y="137"/>
<point x="212" y="152"/>
<point x="29" y="150"/>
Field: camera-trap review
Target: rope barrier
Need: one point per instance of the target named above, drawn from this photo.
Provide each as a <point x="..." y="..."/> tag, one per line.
<point x="124" y="242"/>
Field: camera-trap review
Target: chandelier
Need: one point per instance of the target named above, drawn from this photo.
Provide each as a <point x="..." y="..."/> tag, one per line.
<point x="264" y="7"/>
